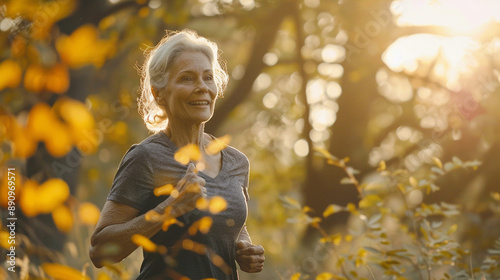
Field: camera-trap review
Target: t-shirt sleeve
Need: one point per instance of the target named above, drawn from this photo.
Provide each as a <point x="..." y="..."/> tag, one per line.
<point x="247" y="179"/>
<point x="133" y="184"/>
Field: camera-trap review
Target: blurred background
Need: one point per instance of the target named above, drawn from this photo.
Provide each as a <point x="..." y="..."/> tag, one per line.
<point x="387" y="85"/>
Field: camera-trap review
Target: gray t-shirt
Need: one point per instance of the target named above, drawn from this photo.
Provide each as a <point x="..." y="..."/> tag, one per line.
<point x="151" y="164"/>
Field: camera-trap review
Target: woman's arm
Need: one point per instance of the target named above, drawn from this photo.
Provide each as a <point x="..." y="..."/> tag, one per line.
<point x="250" y="257"/>
<point x="111" y="241"/>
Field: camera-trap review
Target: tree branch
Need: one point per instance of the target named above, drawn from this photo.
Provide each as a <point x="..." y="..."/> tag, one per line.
<point x="267" y="29"/>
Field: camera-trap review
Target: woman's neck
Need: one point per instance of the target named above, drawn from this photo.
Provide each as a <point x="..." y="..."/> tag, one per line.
<point x="182" y="135"/>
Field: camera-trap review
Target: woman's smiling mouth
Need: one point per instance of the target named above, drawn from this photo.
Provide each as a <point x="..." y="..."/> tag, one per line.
<point x="199" y="103"/>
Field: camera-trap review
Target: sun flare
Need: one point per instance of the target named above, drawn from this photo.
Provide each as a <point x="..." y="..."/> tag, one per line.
<point x="461" y="16"/>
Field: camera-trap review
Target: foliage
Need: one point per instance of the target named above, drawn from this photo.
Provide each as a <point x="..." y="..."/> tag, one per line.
<point x="394" y="234"/>
<point x="346" y="76"/>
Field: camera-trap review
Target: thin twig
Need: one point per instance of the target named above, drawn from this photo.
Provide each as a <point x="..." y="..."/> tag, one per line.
<point x="371" y="272"/>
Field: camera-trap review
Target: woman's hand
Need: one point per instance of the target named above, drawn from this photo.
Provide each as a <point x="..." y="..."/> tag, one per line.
<point x="250" y="257"/>
<point x="189" y="189"/>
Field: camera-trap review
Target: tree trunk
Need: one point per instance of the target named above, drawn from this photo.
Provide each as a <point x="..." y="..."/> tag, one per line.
<point x="363" y="58"/>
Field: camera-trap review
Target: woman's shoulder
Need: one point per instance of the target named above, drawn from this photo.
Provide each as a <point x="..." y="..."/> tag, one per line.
<point x="154" y="142"/>
<point x="151" y="146"/>
<point x="236" y="157"/>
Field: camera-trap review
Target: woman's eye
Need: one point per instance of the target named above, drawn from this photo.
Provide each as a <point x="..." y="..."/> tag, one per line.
<point x="186" y="78"/>
<point x="210" y="77"/>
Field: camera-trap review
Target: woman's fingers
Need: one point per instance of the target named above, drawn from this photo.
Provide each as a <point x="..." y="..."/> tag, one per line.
<point x="251" y="250"/>
<point x="249" y="266"/>
<point x="250" y="257"/>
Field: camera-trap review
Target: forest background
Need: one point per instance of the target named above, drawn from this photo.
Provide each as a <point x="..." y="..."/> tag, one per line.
<point x="372" y="128"/>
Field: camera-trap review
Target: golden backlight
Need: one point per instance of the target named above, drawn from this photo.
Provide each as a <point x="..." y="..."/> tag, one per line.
<point x="461" y="16"/>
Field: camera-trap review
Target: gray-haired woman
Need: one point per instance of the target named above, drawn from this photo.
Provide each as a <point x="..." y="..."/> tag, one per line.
<point x="182" y="79"/>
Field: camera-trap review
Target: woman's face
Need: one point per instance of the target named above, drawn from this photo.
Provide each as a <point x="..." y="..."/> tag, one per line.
<point x="191" y="91"/>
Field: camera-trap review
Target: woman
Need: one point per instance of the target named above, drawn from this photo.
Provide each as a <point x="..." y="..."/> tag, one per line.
<point x="182" y="79"/>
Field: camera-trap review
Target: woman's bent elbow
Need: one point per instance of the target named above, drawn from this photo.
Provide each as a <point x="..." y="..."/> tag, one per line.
<point x="106" y="253"/>
<point x="94" y="257"/>
<point x="102" y="253"/>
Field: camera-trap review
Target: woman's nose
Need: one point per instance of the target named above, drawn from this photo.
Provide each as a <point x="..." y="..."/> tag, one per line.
<point x="201" y="85"/>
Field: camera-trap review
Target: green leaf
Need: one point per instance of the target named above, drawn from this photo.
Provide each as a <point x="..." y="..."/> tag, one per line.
<point x="289" y="202"/>
<point x="373" y="250"/>
<point x="437" y="170"/>
<point x="448" y="166"/>
<point x="494" y="252"/>
<point x="457" y="161"/>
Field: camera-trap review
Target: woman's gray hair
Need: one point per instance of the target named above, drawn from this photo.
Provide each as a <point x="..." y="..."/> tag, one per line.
<point x="159" y="60"/>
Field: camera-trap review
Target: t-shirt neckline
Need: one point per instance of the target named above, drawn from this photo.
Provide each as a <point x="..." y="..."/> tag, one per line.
<point x="172" y="145"/>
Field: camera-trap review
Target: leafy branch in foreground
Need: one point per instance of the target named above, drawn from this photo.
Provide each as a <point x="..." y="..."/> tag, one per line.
<point x="393" y="233"/>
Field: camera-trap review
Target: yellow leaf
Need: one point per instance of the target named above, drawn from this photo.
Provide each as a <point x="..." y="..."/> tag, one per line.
<point x="152" y="215"/>
<point x="217" y="260"/>
<point x="332" y="209"/>
<point x="18" y="46"/>
<point x="39" y="118"/>
<point x="315" y="222"/>
<point x="171" y="221"/>
<point x="59" y="142"/>
<point x="62" y="272"/>
<point x="75" y="113"/>
<point x="362" y="253"/>
<point x="295" y="276"/>
<point x="8" y="126"/>
<point x="23" y="144"/>
<point x="381" y="166"/>
<point x="324" y="276"/>
<point x="334" y="239"/>
<point x="29" y="197"/>
<point x="14" y="177"/>
<point x="4" y="239"/>
<point x="452" y="229"/>
<point x="217" y="145"/>
<point x="203" y="225"/>
<point x="495" y="196"/>
<point x="164" y="190"/>
<point x="88" y="213"/>
<point x="307" y="209"/>
<point x="144" y="242"/>
<point x="351" y="207"/>
<point x="217" y="204"/>
<point x="103" y="276"/>
<point x="57" y="79"/>
<point x="191" y="245"/>
<point x="43" y="14"/>
<point x="369" y="200"/>
<point x="80" y="124"/>
<point x="188" y="153"/>
<point x="63" y="218"/>
<point x="51" y="194"/>
<point x="10" y="74"/>
<point x="83" y="47"/>
<point x="54" y="79"/>
<point x="34" y="78"/>
<point x="202" y="204"/>
<point x="438" y="162"/>
<point x="413" y="181"/>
